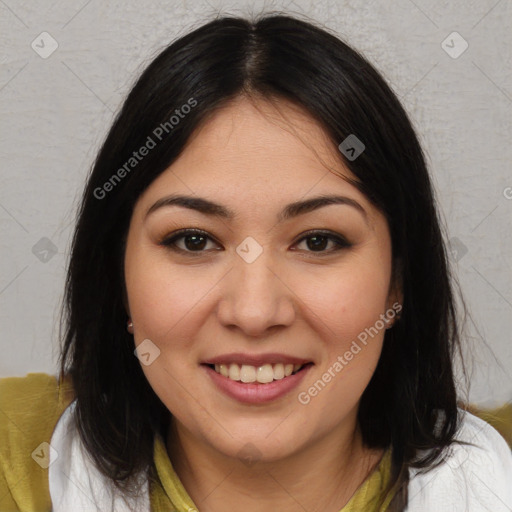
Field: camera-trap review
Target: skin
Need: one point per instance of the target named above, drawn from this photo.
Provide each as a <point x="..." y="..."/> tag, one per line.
<point x="292" y="299"/>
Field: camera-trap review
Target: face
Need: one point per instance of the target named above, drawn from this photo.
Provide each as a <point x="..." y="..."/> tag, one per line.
<point x="256" y="285"/>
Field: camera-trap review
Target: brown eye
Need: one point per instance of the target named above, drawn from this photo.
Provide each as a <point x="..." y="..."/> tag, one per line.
<point x="318" y="241"/>
<point x="193" y="241"/>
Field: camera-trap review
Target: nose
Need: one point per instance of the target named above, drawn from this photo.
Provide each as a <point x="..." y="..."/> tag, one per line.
<point x="255" y="297"/>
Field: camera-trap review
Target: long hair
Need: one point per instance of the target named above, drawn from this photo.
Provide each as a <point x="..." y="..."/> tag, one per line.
<point x="410" y="403"/>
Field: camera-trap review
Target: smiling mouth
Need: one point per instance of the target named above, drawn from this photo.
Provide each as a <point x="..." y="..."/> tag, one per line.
<point x="263" y="374"/>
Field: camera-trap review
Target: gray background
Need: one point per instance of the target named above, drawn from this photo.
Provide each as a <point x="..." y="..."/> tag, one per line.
<point x="55" y="112"/>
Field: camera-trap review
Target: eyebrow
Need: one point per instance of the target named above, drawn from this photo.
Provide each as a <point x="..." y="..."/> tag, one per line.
<point x="207" y="207"/>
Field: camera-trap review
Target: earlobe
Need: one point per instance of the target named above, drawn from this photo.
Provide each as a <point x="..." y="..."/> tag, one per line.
<point x="129" y="323"/>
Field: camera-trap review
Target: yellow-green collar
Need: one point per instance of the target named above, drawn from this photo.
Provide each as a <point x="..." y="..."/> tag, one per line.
<point x="168" y="493"/>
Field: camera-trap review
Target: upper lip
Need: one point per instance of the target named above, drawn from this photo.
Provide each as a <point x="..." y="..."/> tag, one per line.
<point x="255" y="359"/>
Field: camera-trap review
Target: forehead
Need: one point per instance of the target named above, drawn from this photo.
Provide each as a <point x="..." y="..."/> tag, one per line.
<point x="255" y="158"/>
<point x="260" y="144"/>
<point x="250" y="125"/>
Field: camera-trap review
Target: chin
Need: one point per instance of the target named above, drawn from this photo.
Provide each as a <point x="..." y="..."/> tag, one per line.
<point x="250" y="449"/>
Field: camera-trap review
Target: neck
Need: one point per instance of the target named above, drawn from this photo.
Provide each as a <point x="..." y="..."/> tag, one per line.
<point x="323" y="476"/>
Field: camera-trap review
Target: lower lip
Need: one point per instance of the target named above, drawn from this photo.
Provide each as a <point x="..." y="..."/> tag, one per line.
<point x="256" y="393"/>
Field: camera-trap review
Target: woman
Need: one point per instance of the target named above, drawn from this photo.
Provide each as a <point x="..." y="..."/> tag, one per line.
<point x="259" y="308"/>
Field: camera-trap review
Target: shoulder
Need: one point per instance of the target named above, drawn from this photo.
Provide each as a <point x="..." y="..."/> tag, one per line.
<point x="30" y="408"/>
<point x="31" y="402"/>
<point x="475" y="473"/>
<point x="23" y="388"/>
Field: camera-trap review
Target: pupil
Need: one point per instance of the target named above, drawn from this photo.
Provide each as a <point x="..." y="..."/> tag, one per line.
<point x="195" y="245"/>
<point x="320" y="245"/>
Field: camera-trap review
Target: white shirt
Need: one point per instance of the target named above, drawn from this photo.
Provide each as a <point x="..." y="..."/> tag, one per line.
<point x="471" y="479"/>
<point x="76" y="485"/>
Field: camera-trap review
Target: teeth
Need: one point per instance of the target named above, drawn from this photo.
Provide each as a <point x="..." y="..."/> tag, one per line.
<point x="247" y="373"/>
<point x="265" y="374"/>
<point x="278" y="371"/>
<point x="234" y="372"/>
<point x="262" y="374"/>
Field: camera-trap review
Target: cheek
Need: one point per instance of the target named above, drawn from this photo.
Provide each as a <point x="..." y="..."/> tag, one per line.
<point x="347" y="313"/>
<point x="161" y="299"/>
<point x="165" y="306"/>
<point x="349" y="301"/>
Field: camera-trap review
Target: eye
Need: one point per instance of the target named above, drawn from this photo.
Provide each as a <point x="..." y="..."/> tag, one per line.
<point x="194" y="240"/>
<point x="316" y="241"/>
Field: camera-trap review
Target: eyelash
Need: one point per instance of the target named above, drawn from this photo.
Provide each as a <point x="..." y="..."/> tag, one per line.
<point x="170" y="242"/>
